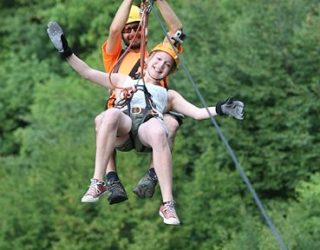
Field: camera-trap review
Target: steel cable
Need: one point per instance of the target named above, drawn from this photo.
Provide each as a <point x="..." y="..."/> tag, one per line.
<point x="244" y="177"/>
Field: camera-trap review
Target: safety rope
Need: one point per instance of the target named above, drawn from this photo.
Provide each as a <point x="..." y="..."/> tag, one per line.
<point x="145" y="7"/>
<point x="244" y="177"/>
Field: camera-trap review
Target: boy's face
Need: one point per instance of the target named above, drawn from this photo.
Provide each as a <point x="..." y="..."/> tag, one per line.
<point x="159" y="65"/>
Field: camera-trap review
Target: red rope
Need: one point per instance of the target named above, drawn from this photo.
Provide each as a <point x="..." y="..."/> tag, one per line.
<point x="122" y="56"/>
<point x="144" y="33"/>
<point x="143" y="24"/>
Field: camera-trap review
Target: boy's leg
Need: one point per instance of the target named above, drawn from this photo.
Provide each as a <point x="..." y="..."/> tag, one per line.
<point x="115" y="188"/>
<point x="112" y="123"/>
<point x="153" y="134"/>
<point x="147" y="184"/>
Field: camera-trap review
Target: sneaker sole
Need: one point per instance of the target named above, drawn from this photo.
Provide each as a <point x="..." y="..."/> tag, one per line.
<point x="117" y="199"/>
<point x="143" y="192"/>
<point x="173" y="222"/>
<point x="91" y="199"/>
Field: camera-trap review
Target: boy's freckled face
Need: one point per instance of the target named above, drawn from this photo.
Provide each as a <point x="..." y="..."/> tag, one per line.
<point x="160" y="65"/>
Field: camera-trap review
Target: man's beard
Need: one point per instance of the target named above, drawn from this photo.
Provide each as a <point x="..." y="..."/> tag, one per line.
<point x="135" y="45"/>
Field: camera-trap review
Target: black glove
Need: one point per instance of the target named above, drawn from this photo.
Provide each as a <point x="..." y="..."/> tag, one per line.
<point x="58" y="39"/>
<point x="230" y="107"/>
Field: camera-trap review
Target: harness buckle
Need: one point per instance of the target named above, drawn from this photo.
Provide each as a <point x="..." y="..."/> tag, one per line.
<point x="136" y="110"/>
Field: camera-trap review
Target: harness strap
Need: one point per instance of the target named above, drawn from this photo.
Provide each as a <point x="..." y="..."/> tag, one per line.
<point x="138" y="118"/>
<point x="133" y="72"/>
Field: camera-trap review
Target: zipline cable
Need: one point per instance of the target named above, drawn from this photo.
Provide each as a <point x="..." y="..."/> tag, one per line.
<point x="244" y="177"/>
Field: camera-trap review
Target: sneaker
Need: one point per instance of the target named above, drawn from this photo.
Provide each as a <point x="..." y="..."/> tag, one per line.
<point x="96" y="190"/>
<point x="146" y="186"/>
<point x="168" y="213"/>
<point x="117" y="193"/>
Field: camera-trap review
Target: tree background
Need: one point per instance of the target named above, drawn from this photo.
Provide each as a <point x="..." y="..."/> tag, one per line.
<point x="265" y="52"/>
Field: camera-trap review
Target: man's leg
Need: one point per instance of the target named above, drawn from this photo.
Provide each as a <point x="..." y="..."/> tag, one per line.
<point x="147" y="184"/>
<point x="172" y="123"/>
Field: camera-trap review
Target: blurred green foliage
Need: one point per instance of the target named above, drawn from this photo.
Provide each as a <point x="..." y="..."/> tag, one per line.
<point x="265" y="52"/>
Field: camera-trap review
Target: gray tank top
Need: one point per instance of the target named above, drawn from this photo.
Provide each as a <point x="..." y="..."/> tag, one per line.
<point x="159" y="96"/>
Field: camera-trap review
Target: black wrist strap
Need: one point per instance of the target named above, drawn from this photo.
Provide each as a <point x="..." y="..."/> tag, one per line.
<point x="218" y="108"/>
<point x="67" y="53"/>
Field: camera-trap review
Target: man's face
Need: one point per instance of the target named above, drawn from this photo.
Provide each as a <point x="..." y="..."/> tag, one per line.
<point x="128" y="34"/>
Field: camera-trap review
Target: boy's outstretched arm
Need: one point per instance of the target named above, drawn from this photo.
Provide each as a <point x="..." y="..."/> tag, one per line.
<point x="231" y="107"/>
<point x="60" y="42"/>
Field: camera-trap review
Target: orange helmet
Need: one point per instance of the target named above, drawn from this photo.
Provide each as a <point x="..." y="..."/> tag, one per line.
<point x="134" y="15"/>
<point x="167" y="47"/>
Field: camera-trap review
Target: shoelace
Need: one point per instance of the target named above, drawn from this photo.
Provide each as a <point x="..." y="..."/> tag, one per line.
<point x="114" y="185"/>
<point x="93" y="187"/>
<point x="151" y="177"/>
<point x="169" y="209"/>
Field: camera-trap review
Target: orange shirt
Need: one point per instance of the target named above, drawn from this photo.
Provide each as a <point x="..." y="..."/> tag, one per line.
<point x="127" y="63"/>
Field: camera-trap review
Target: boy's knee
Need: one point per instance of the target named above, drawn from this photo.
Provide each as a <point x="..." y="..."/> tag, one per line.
<point x="110" y="117"/>
<point x="97" y="120"/>
<point x="172" y="125"/>
<point x="159" y="137"/>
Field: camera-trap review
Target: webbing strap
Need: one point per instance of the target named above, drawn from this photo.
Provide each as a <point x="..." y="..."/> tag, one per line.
<point x="133" y="73"/>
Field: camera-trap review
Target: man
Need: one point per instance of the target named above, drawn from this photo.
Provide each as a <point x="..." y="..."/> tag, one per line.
<point x="125" y="28"/>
